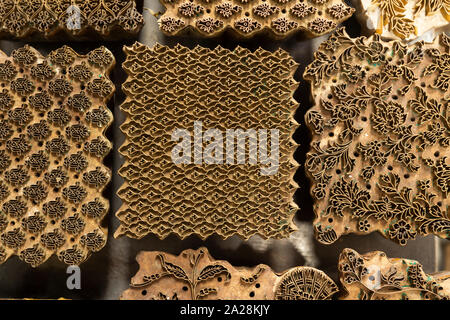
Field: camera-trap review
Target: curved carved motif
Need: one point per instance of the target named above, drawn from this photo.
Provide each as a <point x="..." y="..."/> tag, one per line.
<point x="162" y="197"/>
<point x="380" y="156"/>
<point x="47" y="18"/>
<point x="195" y="275"/>
<point x="404" y="19"/>
<point x="373" y="276"/>
<point x="247" y="18"/>
<point x="51" y="155"/>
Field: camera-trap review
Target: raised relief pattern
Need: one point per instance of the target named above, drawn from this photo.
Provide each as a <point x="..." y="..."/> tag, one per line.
<point x="374" y="276"/>
<point x="173" y="88"/>
<point x="195" y="275"/>
<point x="247" y="18"/>
<point x="51" y="155"/>
<point x="380" y="158"/>
<point x="47" y="18"/>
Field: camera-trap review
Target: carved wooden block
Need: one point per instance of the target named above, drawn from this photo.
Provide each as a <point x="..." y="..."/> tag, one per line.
<point x="194" y="274"/>
<point x="47" y="18"/>
<point x="380" y="156"/>
<point x="374" y="276"/>
<point x="404" y="19"/>
<point x="279" y="18"/>
<point x="202" y="94"/>
<point x="53" y="116"/>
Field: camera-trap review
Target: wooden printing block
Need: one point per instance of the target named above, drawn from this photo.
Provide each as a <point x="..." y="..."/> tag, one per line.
<point x="194" y="275"/>
<point x="374" y="276"/>
<point x="380" y="157"/>
<point x="77" y="19"/>
<point x="404" y="20"/>
<point x="180" y="98"/>
<point x="53" y="116"/>
<point x="278" y="18"/>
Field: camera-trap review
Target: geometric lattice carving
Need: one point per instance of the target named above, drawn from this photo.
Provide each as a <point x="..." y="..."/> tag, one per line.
<point x="373" y="276"/>
<point x="53" y="116"/>
<point x="194" y="274"/>
<point x="47" y="18"/>
<point x="247" y="18"/>
<point x="405" y="19"/>
<point x="380" y="156"/>
<point x="174" y="88"/>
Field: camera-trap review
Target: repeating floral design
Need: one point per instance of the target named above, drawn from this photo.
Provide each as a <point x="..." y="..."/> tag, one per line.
<point x="379" y="158"/>
<point x="21" y="19"/>
<point x="195" y="275"/>
<point x="160" y="197"/>
<point x="373" y="276"/>
<point x="52" y="146"/>
<point x="395" y="18"/>
<point x="247" y="18"/>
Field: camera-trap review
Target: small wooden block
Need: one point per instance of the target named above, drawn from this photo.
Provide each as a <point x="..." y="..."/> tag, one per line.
<point x="50" y="19"/>
<point x="374" y="276"/>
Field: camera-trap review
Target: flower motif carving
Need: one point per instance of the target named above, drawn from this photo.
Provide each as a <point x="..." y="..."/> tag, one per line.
<point x="379" y="159"/>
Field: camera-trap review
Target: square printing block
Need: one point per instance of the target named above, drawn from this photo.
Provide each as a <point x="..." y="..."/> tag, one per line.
<point x="186" y="99"/>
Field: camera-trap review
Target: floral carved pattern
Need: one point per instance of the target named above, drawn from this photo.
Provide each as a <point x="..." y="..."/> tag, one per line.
<point x="407" y="19"/>
<point x="195" y="275"/>
<point x="373" y="276"/>
<point x="46" y="18"/>
<point x="379" y="158"/>
<point x="247" y="18"/>
<point x="51" y="155"/>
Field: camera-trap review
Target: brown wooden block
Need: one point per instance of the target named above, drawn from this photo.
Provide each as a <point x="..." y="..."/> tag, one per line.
<point x="405" y="19"/>
<point x="380" y="157"/>
<point x="198" y="92"/>
<point x="74" y="18"/>
<point x="194" y="275"/>
<point x="374" y="276"/>
<point x="53" y="116"/>
<point x="278" y="18"/>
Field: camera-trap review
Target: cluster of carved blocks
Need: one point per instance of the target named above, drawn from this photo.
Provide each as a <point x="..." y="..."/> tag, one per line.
<point x="379" y="158"/>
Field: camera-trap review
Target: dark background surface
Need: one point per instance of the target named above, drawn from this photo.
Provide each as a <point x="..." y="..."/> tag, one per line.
<point x="107" y="273"/>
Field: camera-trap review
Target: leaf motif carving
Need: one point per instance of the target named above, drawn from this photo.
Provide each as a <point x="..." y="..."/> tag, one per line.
<point x="205" y="292"/>
<point x="213" y="270"/>
<point x="173" y="269"/>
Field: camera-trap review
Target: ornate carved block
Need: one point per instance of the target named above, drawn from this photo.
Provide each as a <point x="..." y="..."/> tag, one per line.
<point x="374" y="276"/>
<point x="53" y="116"/>
<point x="194" y="274"/>
<point x="206" y="96"/>
<point x="47" y="18"/>
<point x="404" y="19"/>
<point x="380" y="156"/>
<point x="279" y="18"/>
